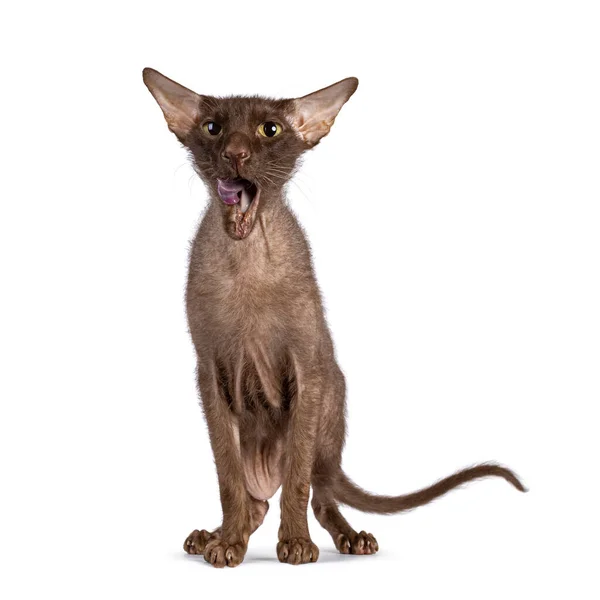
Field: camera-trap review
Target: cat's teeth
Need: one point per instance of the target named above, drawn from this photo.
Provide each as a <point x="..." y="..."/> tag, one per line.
<point x="245" y="200"/>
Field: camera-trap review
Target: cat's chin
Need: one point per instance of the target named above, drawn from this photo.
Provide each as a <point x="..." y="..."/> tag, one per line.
<point x="239" y="216"/>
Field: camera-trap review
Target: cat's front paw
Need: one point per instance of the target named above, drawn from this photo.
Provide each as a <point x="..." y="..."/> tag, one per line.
<point x="220" y="553"/>
<point x="196" y="541"/>
<point x="297" y="551"/>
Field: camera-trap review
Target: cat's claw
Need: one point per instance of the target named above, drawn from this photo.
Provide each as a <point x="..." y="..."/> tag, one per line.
<point x="221" y="554"/>
<point x="297" y="551"/>
<point x="196" y="541"/>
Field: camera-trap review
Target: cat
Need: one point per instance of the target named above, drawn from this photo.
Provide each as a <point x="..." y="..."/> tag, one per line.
<point x="272" y="393"/>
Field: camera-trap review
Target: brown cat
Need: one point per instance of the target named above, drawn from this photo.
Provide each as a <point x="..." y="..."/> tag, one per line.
<point x="272" y="392"/>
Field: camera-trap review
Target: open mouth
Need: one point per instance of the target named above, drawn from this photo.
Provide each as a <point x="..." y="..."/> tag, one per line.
<point x="242" y="196"/>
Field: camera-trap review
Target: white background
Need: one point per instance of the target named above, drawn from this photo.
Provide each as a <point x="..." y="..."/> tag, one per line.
<point x="454" y="217"/>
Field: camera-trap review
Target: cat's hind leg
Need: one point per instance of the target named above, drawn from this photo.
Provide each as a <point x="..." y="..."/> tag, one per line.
<point x="346" y="539"/>
<point x="332" y="431"/>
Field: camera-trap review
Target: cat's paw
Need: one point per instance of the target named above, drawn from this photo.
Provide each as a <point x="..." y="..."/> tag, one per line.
<point x="220" y="553"/>
<point x="357" y="543"/>
<point x="297" y="551"/>
<point x="196" y="541"/>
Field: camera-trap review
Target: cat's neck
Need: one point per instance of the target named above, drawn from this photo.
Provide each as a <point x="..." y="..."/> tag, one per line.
<point x="276" y="238"/>
<point x="275" y="256"/>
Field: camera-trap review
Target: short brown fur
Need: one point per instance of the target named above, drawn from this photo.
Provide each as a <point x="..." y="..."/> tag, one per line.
<point x="272" y="392"/>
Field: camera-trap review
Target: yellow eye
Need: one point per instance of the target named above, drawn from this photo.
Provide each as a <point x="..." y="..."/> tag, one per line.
<point x="212" y="128"/>
<point x="269" y="129"/>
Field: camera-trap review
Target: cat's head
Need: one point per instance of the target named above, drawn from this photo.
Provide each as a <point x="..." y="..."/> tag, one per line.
<point x="246" y="148"/>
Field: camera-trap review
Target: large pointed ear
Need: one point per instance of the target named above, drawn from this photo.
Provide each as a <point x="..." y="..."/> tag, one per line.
<point x="314" y="114"/>
<point x="180" y="106"/>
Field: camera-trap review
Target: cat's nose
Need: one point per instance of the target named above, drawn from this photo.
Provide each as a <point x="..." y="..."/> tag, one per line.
<point x="237" y="149"/>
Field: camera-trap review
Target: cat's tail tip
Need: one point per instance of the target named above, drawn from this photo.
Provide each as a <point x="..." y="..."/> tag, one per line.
<point x="510" y="476"/>
<point x="349" y="493"/>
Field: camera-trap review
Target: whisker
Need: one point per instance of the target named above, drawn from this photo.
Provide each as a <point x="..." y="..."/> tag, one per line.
<point x="268" y="179"/>
<point x="287" y="180"/>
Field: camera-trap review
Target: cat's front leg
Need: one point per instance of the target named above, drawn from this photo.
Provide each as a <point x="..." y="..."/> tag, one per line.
<point x="295" y="546"/>
<point x="228" y="548"/>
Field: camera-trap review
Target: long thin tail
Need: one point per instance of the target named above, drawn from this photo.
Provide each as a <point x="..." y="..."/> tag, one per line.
<point x="347" y="492"/>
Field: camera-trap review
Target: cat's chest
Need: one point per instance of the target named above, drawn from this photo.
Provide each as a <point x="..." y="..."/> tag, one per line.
<point x="254" y="291"/>
<point x="228" y="307"/>
<point x="242" y="292"/>
<point x="244" y="280"/>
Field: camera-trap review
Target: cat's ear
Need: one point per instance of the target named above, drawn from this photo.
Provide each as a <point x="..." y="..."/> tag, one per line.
<point x="180" y="106"/>
<point x="314" y="114"/>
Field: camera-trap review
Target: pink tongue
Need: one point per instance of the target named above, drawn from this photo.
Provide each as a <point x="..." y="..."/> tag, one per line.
<point x="228" y="190"/>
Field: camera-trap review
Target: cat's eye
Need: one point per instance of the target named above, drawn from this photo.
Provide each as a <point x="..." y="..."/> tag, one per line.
<point x="212" y="128"/>
<point x="270" y="129"/>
